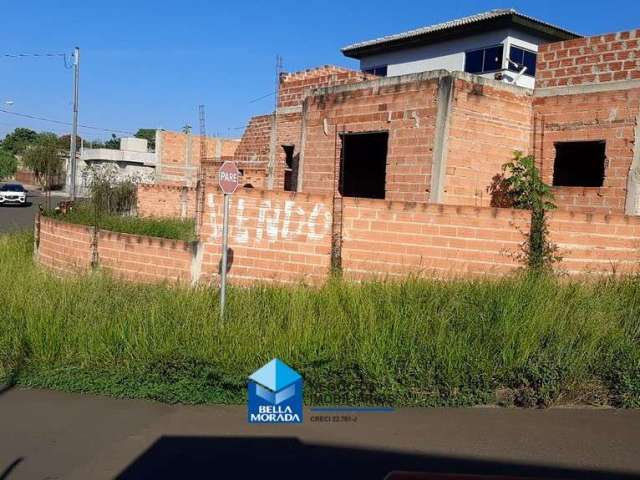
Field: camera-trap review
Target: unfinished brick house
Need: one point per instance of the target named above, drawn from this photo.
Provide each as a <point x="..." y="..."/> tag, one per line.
<point x="393" y="175"/>
<point x="441" y="137"/>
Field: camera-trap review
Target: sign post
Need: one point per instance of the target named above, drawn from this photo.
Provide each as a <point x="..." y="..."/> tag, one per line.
<point x="228" y="179"/>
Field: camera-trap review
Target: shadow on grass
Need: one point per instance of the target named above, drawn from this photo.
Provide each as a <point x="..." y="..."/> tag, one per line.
<point x="5" y="473"/>
<point x="285" y="458"/>
<point x="12" y="379"/>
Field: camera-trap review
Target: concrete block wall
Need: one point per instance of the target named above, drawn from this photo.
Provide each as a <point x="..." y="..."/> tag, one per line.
<point x="589" y="60"/>
<point x="395" y="239"/>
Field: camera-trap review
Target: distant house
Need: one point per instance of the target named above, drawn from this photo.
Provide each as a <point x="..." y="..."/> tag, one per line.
<point x="132" y="160"/>
<point x="500" y="44"/>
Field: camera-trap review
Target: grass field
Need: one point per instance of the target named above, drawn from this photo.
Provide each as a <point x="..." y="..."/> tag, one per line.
<point x="173" y="228"/>
<point x="528" y="341"/>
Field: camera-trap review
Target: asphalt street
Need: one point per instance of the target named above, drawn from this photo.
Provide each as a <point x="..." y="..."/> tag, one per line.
<point x="16" y="217"/>
<point x="56" y="435"/>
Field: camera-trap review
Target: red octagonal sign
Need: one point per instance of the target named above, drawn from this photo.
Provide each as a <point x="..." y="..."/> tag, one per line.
<point x="229" y="177"/>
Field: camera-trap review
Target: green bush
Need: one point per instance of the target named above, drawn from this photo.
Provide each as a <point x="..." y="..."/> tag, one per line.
<point x="542" y="340"/>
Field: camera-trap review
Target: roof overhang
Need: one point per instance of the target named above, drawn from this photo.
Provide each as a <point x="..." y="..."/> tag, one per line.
<point x="413" y="39"/>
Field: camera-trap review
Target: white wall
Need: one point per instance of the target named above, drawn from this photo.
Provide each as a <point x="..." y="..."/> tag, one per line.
<point x="447" y="55"/>
<point x="450" y="55"/>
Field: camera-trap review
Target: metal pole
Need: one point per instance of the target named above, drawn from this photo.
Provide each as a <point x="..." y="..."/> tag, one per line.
<point x="74" y="128"/>
<point x="225" y="248"/>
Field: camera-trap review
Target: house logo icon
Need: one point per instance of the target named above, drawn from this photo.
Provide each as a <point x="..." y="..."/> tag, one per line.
<point x="275" y="394"/>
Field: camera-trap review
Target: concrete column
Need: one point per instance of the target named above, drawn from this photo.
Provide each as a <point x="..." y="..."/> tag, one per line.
<point x="218" y="154"/>
<point x="303" y="141"/>
<point x="440" y="141"/>
<point x="158" y="154"/>
<point x="271" y="166"/>
<point x="632" y="205"/>
<point x="188" y="160"/>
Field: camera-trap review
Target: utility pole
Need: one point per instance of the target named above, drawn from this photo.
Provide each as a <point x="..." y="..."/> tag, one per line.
<point x="273" y="155"/>
<point x="74" y="128"/>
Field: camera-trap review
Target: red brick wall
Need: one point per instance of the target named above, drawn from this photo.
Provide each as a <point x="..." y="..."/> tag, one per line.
<point x="605" y="115"/>
<point x="293" y="85"/>
<point x="26" y="177"/>
<point x="144" y="259"/>
<point x="166" y="201"/>
<point x="289" y="132"/>
<point x="487" y="124"/>
<point x="286" y="237"/>
<point x="255" y="142"/>
<point x="174" y="166"/>
<point x="64" y="247"/>
<point x="68" y="248"/>
<point x="401" y="238"/>
<point x="596" y="243"/>
<point x="391" y="108"/>
<point x="275" y="236"/>
<point x="598" y="59"/>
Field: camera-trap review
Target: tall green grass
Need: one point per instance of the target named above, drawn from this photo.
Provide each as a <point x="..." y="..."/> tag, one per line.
<point x="535" y="340"/>
<point x="173" y="228"/>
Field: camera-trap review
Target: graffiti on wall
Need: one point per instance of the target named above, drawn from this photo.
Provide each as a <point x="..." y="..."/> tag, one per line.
<point x="274" y="220"/>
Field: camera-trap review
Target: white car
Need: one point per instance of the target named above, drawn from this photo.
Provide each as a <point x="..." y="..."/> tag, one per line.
<point x="12" y="193"/>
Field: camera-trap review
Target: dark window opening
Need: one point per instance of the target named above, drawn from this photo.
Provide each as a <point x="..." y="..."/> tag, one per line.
<point x="579" y="164"/>
<point x="290" y="168"/>
<point x="363" y="165"/>
<point x="523" y="58"/>
<point x="484" y="60"/>
<point x="380" y="70"/>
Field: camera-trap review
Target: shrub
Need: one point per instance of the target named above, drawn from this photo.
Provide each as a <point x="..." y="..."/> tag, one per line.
<point x="8" y="164"/>
<point x="521" y="186"/>
<point x="110" y="193"/>
<point x="44" y="159"/>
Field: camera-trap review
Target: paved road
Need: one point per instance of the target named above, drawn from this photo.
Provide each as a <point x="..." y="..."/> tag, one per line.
<point x="13" y="217"/>
<point x="56" y="435"/>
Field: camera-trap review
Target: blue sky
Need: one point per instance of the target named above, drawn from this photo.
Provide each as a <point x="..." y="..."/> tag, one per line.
<point x="150" y="64"/>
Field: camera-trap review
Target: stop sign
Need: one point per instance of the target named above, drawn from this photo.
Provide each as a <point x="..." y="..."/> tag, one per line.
<point x="229" y="177"/>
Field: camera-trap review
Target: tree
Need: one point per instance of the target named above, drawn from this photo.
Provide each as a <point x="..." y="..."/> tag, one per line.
<point x="113" y="143"/>
<point x="149" y="134"/>
<point x="45" y="160"/>
<point x="17" y="141"/>
<point x="64" y="142"/>
<point x="8" y="164"/>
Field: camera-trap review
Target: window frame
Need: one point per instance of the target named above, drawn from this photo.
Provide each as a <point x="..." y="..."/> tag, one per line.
<point x="563" y="145"/>
<point x="524" y="50"/>
<point x="484" y="53"/>
<point x="372" y="70"/>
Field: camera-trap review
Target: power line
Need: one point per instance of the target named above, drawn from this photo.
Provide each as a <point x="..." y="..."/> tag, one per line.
<point x="59" y="122"/>
<point x="39" y="55"/>
<point x="20" y="55"/>
<point x="260" y="98"/>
